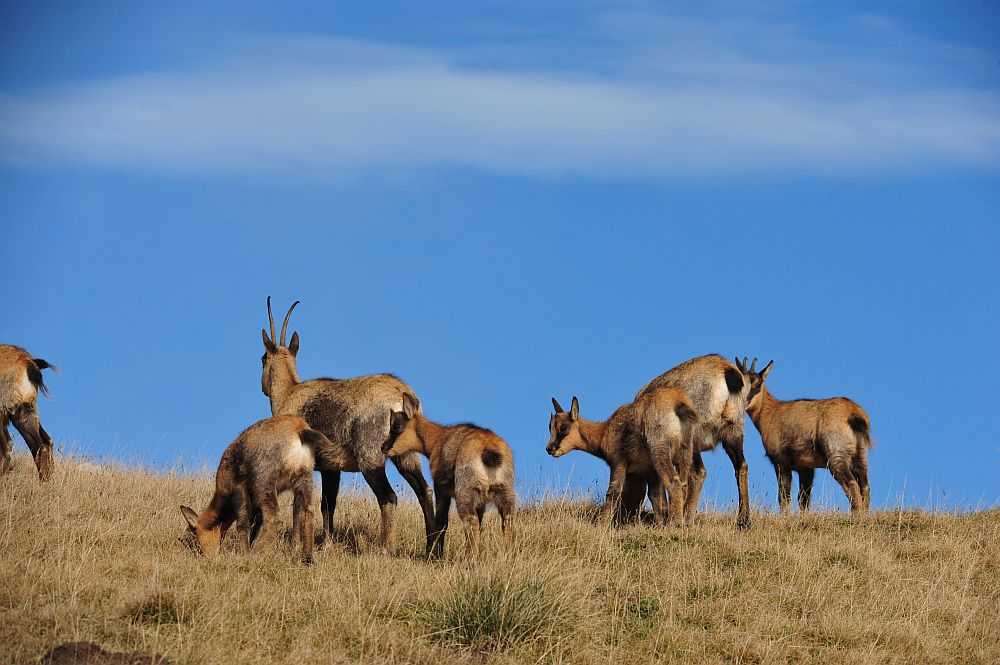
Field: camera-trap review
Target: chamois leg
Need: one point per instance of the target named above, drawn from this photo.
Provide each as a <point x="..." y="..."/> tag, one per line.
<point x="5" y="447"/>
<point x="410" y="468"/>
<point x="379" y="483"/>
<point x="656" y="497"/>
<point x="696" y="480"/>
<point x="38" y="440"/>
<point x="302" y="516"/>
<point x="328" y="503"/>
<point x="467" y="501"/>
<point x="734" y="448"/>
<point x="633" y="494"/>
<point x="784" y="475"/>
<point x="267" y="502"/>
<point x="841" y="470"/>
<point x="244" y="520"/>
<point x="505" y="500"/>
<point x="805" y="489"/>
<point x="859" y="468"/>
<point x="442" y="496"/>
<point x="612" y="500"/>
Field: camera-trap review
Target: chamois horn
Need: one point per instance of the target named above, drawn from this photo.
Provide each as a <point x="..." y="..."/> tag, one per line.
<point x="284" y="326"/>
<point x="270" y="318"/>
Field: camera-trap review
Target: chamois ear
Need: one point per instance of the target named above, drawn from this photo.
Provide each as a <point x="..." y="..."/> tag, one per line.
<point x="268" y="344"/>
<point x="740" y="366"/>
<point x="557" y="407"/>
<point x="574" y="409"/>
<point x="767" y="370"/>
<point x="190" y="516"/>
<point x="293" y="346"/>
<point x="409" y="406"/>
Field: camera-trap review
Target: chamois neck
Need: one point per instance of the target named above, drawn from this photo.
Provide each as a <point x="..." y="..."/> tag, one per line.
<point x="284" y="378"/>
<point x="763" y="407"/>
<point x="429" y="433"/>
<point x="592" y="433"/>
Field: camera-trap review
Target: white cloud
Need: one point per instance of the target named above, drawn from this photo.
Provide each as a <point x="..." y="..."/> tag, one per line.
<point x="330" y="108"/>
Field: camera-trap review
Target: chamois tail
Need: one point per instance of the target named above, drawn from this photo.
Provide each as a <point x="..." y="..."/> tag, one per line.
<point x="862" y="430"/>
<point x="329" y="456"/>
<point x="492" y="458"/>
<point x="35" y="368"/>
<point x="685" y="413"/>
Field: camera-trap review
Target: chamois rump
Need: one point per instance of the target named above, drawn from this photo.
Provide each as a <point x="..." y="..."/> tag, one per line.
<point x="719" y="392"/>
<point x="353" y="413"/>
<point x="266" y="459"/>
<point x="469" y="463"/>
<point x="648" y="440"/>
<point x="20" y="382"/>
<point x="804" y="434"/>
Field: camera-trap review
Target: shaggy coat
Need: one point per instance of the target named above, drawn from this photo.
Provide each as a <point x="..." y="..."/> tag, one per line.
<point x="648" y="440"/>
<point x="20" y="382"/>
<point x="469" y="463"/>
<point x="719" y="392"/>
<point x="355" y="414"/>
<point x="804" y="434"/>
<point x="270" y="457"/>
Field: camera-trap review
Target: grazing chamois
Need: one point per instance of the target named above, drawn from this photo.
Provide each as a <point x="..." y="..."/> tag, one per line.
<point x="20" y="382"/>
<point x="807" y="434"/>
<point x="266" y="459"/>
<point x="719" y="392"/>
<point x="469" y="463"/>
<point x="352" y="412"/>
<point x="648" y="440"/>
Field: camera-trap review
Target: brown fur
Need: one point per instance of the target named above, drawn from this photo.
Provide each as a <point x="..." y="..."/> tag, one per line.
<point x="20" y="382"/>
<point x="718" y="390"/>
<point x="266" y="459"/>
<point x="648" y="440"/>
<point x="353" y="412"/>
<point x="470" y="463"/>
<point x="804" y="435"/>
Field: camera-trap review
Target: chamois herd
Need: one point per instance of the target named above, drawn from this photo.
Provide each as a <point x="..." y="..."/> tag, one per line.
<point x="653" y="446"/>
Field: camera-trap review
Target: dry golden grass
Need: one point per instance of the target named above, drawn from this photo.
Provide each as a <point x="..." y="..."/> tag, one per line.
<point x="93" y="555"/>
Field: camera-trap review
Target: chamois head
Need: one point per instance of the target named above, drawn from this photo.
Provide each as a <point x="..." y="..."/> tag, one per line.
<point x="277" y="357"/>
<point x="564" y="429"/>
<point x="205" y="541"/>
<point x="402" y="430"/>
<point x="754" y="378"/>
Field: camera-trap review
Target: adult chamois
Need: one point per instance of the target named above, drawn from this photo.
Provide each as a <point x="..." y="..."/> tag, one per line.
<point x="806" y="434"/>
<point x="648" y="440"/>
<point x="351" y="412"/>
<point x="468" y="462"/>
<point x="719" y="392"/>
<point x="266" y="459"/>
<point x="20" y="382"/>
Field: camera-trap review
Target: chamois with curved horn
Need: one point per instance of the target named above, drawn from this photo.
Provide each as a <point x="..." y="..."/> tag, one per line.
<point x="719" y="392"/>
<point x="803" y="435"/>
<point x="20" y="382"/>
<point x="352" y="412"/>
<point x="648" y="440"/>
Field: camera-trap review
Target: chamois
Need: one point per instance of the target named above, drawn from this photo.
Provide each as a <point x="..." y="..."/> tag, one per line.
<point x="20" y="382"/>
<point x="352" y="412"/>
<point x="469" y="463"/>
<point x="648" y="440"/>
<point x="266" y="459"/>
<point x="719" y="392"/>
<point x="805" y="434"/>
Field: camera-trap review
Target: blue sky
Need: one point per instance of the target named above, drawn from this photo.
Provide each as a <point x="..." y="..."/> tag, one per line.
<point x="505" y="203"/>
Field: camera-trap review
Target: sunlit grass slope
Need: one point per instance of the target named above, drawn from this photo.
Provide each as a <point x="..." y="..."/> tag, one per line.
<point x="94" y="555"/>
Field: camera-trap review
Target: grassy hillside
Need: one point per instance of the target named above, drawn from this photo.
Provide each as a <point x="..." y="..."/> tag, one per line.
<point x="93" y="555"/>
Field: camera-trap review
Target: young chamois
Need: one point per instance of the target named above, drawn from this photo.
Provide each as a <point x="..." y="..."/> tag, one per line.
<point x="648" y="440"/>
<point x="804" y="434"/>
<point x="20" y="382"/>
<point x="719" y="392"/>
<point x="353" y="413"/>
<point x="266" y="459"/>
<point x="469" y="463"/>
